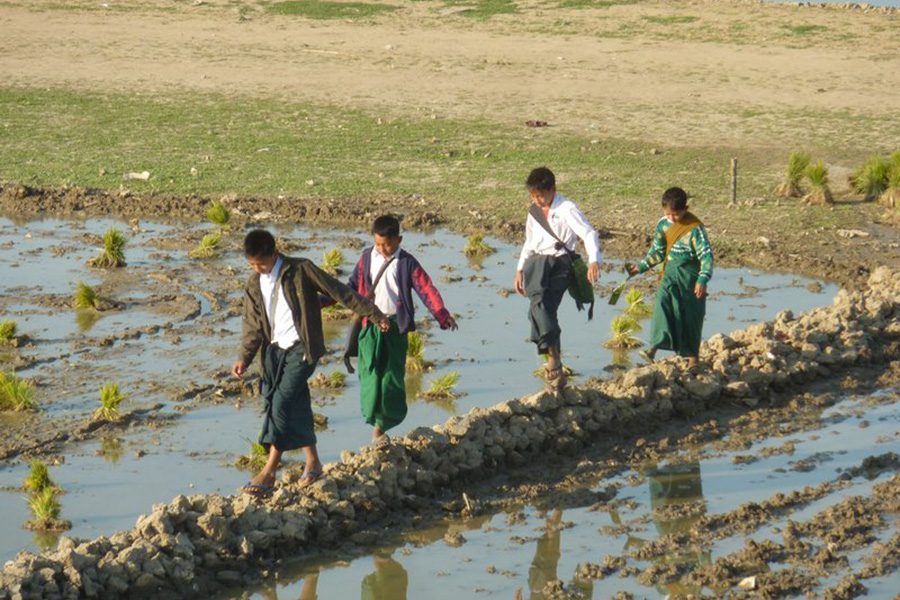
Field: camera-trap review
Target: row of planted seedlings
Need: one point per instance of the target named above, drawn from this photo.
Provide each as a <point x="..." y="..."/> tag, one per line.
<point x="878" y="178"/>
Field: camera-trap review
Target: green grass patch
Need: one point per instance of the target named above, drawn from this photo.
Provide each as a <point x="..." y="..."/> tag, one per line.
<point x="484" y="9"/>
<point x="594" y="3"/>
<point x="319" y="9"/>
<point x="805" y="29"/>
<point x="673" y="20"/>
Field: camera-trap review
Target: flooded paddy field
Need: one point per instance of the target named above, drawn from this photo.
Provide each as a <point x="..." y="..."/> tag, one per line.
<point x="172" y="333"/>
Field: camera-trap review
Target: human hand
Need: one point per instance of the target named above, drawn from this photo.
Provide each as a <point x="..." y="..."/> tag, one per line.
<point x="450" y="323"/>
<point x="238" y="369"/>
<point x="384" y="324"/>
<point x="593" y="272"/>
<point x="700" y="291"/>
<point x="632" y="269"/>
<point x="519" y="289"/>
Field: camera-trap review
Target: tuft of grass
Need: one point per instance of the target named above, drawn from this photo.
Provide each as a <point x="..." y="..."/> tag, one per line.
<point x="891" y="196"/>
<point x="8" y="330"/>
<point x="44" y="508"/>
<point x="674" y="20"/>
<point x="113" y="254"/>
<point x="817" y="174"/>
<point x="217" y="214"/>
<point x="443" y="387"/>
<point x="38" y="477"/>
<point x="110" y="400"/>
<point x="257" y="458"/>
<point x="871" y="179"/>
<point x="210" y="246"/>
<point x="594" y="3"/>
<point x="332" y="261"/>
<point x="637" y="308"/>
<point x="322" y="9"/>
<point x="415" y="353"/>
<point x="477" y="247"/>
<point x="623" y="329"/>
<point x="85" y="296"/>
<point x="789" y="187"/>
<point x="805" y="29"/>
<point x="16" y="394"/>
<point x="335" y="380"/>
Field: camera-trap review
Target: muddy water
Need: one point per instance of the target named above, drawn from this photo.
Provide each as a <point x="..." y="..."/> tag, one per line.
<point x="529" y="546"/>
<point x="116" y="476"/>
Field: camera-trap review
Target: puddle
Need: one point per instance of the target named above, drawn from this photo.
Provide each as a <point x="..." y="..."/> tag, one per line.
<point x="193" y="341"/>
<point x="527" y="548"/>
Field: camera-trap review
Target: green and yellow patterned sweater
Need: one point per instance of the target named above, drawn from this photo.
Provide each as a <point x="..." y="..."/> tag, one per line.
<point x="692" y="245"/>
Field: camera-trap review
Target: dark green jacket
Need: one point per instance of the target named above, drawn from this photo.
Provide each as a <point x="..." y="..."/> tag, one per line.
<point x="302" y="282"/>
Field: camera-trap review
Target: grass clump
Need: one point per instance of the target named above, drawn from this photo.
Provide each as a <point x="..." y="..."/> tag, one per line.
<point x="871" y="179"/>
<point x="256" y="459"/>
<point x="110" y="400"/>
<point x="217" y="214"/>
<point x="16" y="394"/>
<point x="210" y="246"/>
<point x="819" y="193"/>
<point x="623" y="329"/>
<point x="322" y="9"/>
<point x="415" y="353"/>
<point x="332" y="261"/>
<point x="336" y="380"/>
<point x="44" y="506"/>
<point x="38" y="478"/>
<point x="891" y="195"/>
<point x="113" y="254"/>
<point x="85" y="296"/>
<point x="443" y="387"/>
<point x="789" y="187"/>
<point x="637" y="308"/>
<point x="8" y="330"/>
<point x="674" y="20"/>
<point x="477" y="247"/>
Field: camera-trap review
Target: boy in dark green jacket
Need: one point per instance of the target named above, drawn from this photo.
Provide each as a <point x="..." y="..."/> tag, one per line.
<point x="283" y="321"/>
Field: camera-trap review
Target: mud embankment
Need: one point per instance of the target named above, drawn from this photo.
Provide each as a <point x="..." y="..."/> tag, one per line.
<point x="197" y="545"/>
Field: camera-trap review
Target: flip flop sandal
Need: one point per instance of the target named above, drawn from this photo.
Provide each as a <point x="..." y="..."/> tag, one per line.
<point x="257" y="490"/>
<point x="382" y="441"/>
<point x="309" y="478"/>
<point x="556" y="378"/>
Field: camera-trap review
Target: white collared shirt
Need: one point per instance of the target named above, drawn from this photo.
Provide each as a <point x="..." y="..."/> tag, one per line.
<point x="387" y="293"/>
<point x="284" y="333"/>
<point x="570" y="224"/>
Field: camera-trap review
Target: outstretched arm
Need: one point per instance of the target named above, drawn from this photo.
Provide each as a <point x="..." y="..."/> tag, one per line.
<point x="327" y="284"/>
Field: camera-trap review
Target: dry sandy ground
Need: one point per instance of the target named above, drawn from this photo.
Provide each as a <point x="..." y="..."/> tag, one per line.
<point x="736" y="74"/>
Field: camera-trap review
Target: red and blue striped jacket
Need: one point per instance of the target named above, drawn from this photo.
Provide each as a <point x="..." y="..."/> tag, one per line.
<point x="410" y="276"/>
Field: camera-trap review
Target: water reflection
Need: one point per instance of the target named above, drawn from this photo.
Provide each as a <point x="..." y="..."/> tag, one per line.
<point x="86" y="319"/>
<point x="676" y="502"/>
<point x="545" y="564"/>
<point x="111" y="449"/>
<point x="388" y="581"/>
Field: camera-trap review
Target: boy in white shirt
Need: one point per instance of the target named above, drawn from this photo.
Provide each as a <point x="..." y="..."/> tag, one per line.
<point x="544" y="267"/>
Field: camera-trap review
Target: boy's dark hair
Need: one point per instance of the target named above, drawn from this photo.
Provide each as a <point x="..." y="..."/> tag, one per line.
<point x="674" y="198"/>
<point x="386" y="226"/>
<point x="542" y="179"/>
<point x="259" y="243"/>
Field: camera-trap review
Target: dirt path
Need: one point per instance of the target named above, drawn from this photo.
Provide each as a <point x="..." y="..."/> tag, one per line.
<point x="729" y="74"/>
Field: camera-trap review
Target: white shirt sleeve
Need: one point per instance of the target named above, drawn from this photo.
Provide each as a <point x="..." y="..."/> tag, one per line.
<point x="578" y="223"/>
<point x="528" y="246"/>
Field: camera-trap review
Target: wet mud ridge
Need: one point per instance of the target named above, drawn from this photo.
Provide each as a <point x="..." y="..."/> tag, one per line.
<point x="198" y="545"/>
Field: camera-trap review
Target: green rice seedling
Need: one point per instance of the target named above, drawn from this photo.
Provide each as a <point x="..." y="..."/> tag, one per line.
<point x="110" y="400"/>
<point x="335" y="380"/>
<point x="217" y="214"/>
<point x="819" y="193"/>
<point x="44" y="508"/>
<point x="891" y="196"/>
<point x="623" y="329"/>
<point x="210" y="246"/>
<point x="113" y="254"/>
<point x="477" y="247"/>
<point x="796" y="169"/>
<point x="257" y="457"/>
<point x="415" y="353"/>
<point x="8" y="330"/>
<point x="16" y="394"/>
<point x="85" y="296"/>
<point x="637" y="308"/>
<point x="871" y="179"/>
<point x="442" y="387"/>
<point x="38" y="477"/>
<point x="333" y="259"/>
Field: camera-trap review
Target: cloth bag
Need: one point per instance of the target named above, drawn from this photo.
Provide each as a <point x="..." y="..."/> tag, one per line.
<point x="351" y="348"/>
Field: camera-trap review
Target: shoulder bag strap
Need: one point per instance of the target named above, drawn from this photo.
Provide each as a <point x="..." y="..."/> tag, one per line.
<point x="535" y="211"/>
